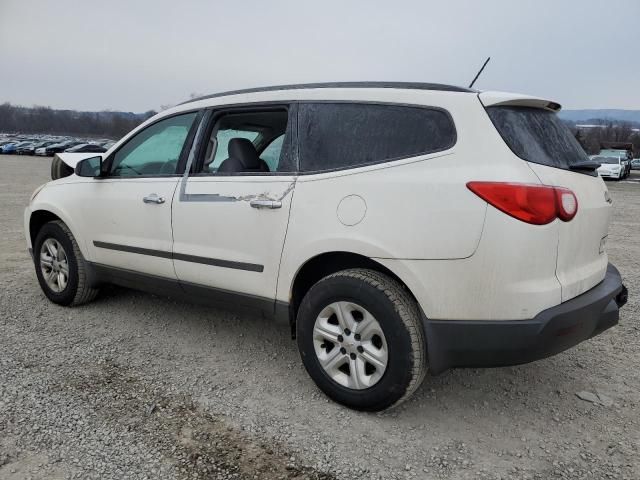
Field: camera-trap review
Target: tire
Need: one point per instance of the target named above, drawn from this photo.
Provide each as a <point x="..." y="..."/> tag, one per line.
<point x="76" y="291"/>
<point x="402" y="344"/>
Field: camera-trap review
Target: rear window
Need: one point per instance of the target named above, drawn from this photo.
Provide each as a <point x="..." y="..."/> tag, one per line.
<point x="344" y="135"/>
<point x="537" y="136"/>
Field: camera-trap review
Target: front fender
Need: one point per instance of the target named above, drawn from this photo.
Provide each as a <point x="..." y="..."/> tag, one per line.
<point x="44" y="205"/>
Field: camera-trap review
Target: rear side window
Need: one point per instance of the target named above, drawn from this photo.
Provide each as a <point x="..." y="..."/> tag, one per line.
<point x="342" y="135"/>
<point x="537" y="136"/>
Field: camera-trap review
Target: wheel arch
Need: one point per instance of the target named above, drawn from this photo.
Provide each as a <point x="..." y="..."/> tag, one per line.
<point x="37" y="219"/>
<point x="41" y="216"/>
<point x="323" y="264"/>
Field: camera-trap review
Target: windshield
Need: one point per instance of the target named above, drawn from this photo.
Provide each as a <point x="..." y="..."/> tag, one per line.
<point x="537" y="136"/>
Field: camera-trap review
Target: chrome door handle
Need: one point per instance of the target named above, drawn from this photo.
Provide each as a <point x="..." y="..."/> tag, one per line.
<point x="271" y="204"/>
<point x="153" y="198"/>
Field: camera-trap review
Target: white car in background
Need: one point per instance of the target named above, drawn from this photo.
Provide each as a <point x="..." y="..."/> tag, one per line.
<point x="398" y="228"/>
<point x="610" y="167"/>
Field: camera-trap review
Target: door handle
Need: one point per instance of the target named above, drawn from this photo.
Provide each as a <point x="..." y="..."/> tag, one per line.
<point x="153" y="198"/>
<point x="270" y="204"/>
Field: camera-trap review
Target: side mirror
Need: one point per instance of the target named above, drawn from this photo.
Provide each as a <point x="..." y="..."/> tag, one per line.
<point x="89" y="167"/>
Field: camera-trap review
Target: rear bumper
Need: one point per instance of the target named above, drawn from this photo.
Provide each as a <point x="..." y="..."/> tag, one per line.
<point x="489" y="343"/>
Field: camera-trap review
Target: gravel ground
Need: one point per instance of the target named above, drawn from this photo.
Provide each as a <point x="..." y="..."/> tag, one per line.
<point x="138" y="386"/>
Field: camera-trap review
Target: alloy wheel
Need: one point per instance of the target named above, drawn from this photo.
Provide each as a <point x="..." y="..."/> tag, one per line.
<point x="54" y="265"/>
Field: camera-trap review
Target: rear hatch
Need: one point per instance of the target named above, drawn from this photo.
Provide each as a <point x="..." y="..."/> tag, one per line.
<point x="533" y="131"/>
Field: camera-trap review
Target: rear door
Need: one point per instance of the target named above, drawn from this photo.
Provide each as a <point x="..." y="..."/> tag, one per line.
<point x="229" y="225"/>
<point x="539" y="137"/>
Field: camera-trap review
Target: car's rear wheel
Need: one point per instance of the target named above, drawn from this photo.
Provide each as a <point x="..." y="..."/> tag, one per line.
<point x="361" y="339"/>
<point x="60" y="268"/>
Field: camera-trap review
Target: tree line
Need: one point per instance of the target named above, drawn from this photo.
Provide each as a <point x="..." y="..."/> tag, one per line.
<point x="18" y="119"/>
<point x="594" y="138"/>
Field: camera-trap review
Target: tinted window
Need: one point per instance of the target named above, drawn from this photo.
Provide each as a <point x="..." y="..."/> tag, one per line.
<point x="537" y="136"/>
<point x="334" y="136"/>
<point x="155" y="150"/>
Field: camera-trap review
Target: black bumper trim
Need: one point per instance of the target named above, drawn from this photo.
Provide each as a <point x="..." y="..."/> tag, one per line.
<point x="494" y="343"/>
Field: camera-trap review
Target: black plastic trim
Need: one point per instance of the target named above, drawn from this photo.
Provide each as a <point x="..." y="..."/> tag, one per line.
<point x="191" y="292"/>
<point x="129" y="249"/>
<point x="494" y="343"/>
<point x="302" y="86"/>
<point x="216" y="262"/>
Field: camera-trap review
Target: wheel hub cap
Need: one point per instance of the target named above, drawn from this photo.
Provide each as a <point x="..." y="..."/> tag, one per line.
<point x="350" y="345"/>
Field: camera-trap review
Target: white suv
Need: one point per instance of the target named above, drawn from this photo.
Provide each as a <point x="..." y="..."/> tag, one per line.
<point x="397" y="227"/>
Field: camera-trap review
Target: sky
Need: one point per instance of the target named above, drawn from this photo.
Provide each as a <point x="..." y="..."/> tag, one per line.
<point x="139" y="55"/>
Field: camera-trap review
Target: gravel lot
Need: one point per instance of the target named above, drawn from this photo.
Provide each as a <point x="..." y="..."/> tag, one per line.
<point x="138" y="386"/>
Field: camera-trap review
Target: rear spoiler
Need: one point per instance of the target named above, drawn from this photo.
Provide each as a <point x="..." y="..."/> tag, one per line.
<point x="490" y="99"/>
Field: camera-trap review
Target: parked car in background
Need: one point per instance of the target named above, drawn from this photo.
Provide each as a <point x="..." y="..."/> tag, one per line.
<point x="13" y="147"/>
<point x="60" y="147"/>
<point x="635" y="164"/>
<point x="626" y="163"/>
<point x="42" y="149"/>
<point x="86" y="148"/>
<point x="8" y="147"/>
<point x="25" y="148"/>
<point x="31" y="149"/>
<point x="382" y="266"/>
<point x="624" y="156"/>
<point x="610" y="167"/>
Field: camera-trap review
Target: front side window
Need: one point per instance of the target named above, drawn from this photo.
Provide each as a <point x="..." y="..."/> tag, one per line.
<point x="342" y="135"/>
<point x="155" y="150"/>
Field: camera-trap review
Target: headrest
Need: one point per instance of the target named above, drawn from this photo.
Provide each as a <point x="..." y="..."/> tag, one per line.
<point x="244" y="151"/>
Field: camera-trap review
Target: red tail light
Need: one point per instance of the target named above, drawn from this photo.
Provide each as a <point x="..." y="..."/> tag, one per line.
<point x="535" y="204"/>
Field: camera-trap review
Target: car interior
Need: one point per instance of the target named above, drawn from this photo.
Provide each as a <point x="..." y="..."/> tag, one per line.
<point x="245" y="142"/>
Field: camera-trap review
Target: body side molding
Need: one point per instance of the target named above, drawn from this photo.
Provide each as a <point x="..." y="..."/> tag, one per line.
<point x="215" y="262"/>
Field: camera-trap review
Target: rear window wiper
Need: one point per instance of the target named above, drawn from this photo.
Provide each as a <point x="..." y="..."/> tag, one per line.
<point x="589" y="165"/>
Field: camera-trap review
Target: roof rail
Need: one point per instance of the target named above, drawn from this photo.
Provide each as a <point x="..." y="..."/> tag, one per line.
<point x="300" y="86"/>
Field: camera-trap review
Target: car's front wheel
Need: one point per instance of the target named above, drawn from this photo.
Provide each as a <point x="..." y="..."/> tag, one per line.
<point x="361" y="339"/>
<point x="60" y="267"/>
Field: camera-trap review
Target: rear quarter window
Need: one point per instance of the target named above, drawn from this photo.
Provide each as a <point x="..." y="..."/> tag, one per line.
<point x="537" y="136"/>
<point x="343" y="135"/>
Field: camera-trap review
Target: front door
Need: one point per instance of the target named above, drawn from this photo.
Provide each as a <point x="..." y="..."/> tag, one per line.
<point x="127" y="214"/>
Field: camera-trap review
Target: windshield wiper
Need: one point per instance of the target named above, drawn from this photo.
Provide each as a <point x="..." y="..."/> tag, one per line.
<point x="589" y="166"/>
